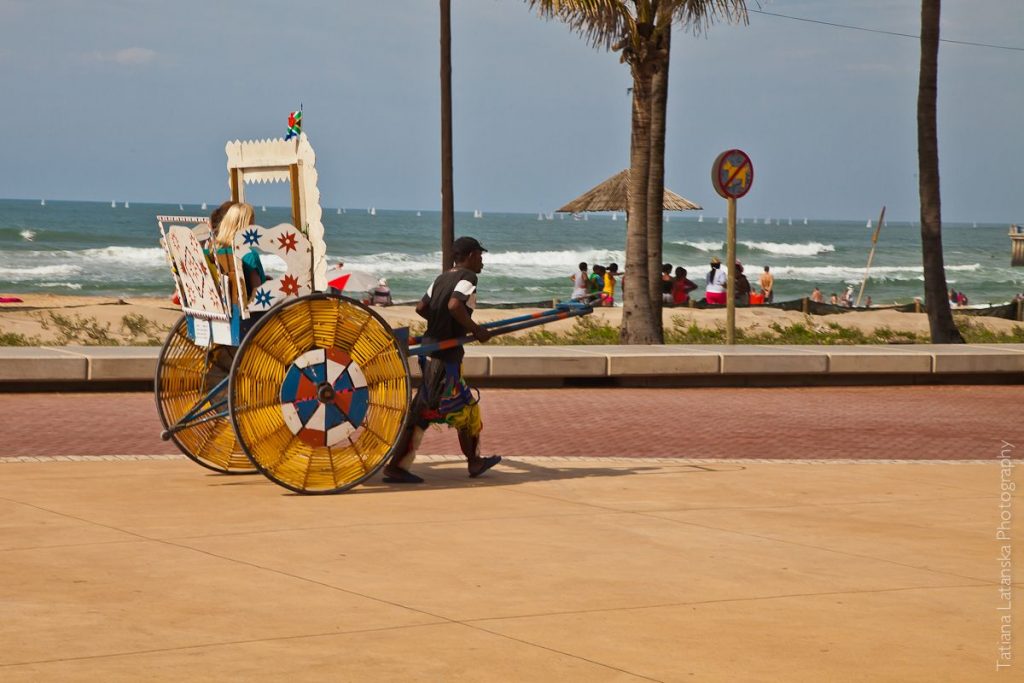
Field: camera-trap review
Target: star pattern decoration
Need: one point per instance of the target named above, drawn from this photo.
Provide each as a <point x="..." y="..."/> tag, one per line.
<point x="287" y="242"/>
<point x="263" y="297"/>
<point x="289" y="285"/>
<point x="252" y="237"/>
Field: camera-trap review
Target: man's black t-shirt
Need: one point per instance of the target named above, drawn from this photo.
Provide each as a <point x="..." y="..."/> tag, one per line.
<point x="459" y="283"/>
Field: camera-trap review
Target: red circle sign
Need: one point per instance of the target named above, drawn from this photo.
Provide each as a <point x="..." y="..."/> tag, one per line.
<point x="732" y="174"/>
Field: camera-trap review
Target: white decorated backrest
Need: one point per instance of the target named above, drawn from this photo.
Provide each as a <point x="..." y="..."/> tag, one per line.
<point x="288" y="243"/>
<point x="200" y="295"/>
<point x="290" y="161"/>
<point x="201" y="229"/>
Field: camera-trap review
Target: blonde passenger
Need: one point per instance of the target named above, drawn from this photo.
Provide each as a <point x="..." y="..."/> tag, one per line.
<point x="239" y="217"/>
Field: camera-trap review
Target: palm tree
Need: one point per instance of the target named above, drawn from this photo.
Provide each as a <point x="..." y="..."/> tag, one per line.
<point x="447" y="182"/>
<point x="940" y="318"/>
<point x="640" y="30"/>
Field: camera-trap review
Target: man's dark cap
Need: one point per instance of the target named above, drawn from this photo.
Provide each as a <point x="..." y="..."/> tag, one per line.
<point x="464" y="246"/>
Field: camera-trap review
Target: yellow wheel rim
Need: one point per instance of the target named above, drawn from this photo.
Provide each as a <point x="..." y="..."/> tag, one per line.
<point x="319" y="394"/>
<point x="185" y="374"/>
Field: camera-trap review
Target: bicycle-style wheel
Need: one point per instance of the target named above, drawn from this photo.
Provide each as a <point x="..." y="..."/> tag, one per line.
<point x="319" y="393"/>
<point x="185" y="374"/>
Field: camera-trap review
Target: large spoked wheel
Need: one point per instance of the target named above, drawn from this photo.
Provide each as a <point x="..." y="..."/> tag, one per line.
<point x="319" y="393"/>
<point x="185" y="374"/>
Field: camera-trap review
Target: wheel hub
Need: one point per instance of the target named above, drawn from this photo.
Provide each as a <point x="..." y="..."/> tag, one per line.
<point x="324" y="397"/>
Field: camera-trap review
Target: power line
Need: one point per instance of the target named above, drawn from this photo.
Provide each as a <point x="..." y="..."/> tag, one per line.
<point x="888" y="33"/>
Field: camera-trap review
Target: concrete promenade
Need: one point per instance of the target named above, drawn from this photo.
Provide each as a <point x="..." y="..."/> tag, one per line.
<point x="690" y="364"/>
<point x="791" y="534"/>
<point x="547" y="569"/>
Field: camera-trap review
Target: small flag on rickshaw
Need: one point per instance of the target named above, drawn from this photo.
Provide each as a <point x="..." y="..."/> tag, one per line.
<point x="294" y="124"/>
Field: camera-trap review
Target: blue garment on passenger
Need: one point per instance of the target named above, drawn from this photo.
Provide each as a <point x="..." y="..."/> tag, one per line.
<point x="250" y="263"/>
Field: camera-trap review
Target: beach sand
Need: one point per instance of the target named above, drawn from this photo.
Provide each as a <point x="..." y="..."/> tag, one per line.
<point x="32" y="317"/>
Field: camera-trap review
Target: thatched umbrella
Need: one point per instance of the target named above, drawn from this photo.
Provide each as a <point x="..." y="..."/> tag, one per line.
<point x="613" y="195"/>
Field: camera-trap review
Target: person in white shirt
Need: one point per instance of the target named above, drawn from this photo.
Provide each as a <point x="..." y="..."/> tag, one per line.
<point x="714" y="290"/>
<point x="579" y="283"/>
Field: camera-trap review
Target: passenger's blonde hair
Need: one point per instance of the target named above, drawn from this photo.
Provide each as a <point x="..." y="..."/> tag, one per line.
<point x="238" y="217"/>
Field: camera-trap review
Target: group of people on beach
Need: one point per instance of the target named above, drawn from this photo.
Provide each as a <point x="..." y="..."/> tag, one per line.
<point x="716" y="285"/>
<point x="596" y="285"/>
<point x="676" y="286"/>
<point x="846" y="300"/>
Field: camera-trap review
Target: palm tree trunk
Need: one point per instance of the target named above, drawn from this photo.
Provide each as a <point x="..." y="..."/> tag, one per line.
<point x="637" y="318"/>
<point x="447" y="180"/>
<point x="940" y="318"/>
<point x="656" y="181"/>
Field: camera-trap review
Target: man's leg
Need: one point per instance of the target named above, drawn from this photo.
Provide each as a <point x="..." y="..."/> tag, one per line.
<point x="469" y="425"/>
<point x="397" y="471"/>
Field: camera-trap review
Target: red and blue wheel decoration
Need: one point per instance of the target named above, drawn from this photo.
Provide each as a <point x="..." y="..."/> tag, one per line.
<point x="324" y="397"/>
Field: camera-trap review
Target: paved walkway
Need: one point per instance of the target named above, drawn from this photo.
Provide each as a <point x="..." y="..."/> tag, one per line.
<point x="771" y="544"/>
<point x="551" y="569"/>
<point x="922" y="422"/>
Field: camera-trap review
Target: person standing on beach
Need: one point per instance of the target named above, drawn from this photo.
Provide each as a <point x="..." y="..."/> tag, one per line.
<point x="444" y="396"/>
<point x="816" y="296"/>
<point x="608" y="291"/>
<point x="579" y="283"/>
<point x="742" y="289"/>
<point x="666" y="283"/>
<point x="714" y="289"/>
<point x="767" y="282"/>
<point x="596" y="282"/>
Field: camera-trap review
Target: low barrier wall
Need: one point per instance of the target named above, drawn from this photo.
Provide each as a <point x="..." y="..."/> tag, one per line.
<point x="51" y="367"/>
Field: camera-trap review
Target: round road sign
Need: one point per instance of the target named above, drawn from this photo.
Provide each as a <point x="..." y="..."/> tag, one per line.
<point x="733" y="174"/>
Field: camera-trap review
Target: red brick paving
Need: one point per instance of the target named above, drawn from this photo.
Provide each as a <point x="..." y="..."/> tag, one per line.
<point x="921" y="422"/>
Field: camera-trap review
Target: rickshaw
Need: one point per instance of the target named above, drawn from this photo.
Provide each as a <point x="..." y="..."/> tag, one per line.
<point x="295" y="381"/>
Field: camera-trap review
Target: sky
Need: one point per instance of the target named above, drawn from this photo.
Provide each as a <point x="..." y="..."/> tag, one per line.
<point x="134" y="100"/>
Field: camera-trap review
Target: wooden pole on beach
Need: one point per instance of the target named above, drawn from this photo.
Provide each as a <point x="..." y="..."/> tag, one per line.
<point x="871" y="256"/>
<point x="730" y="288"/>
<point x="447" y="174"/>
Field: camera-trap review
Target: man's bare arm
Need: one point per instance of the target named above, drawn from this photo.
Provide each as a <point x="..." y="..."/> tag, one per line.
<point x="461" y="315"/>
<point x="421" y="309"/>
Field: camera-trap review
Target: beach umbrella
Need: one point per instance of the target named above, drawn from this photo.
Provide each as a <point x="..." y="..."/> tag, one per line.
<point x="354" y="283"/>
<point x="613" y="195"/>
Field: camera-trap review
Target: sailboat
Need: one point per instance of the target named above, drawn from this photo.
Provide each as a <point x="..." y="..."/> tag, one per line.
<point x="339" y="212"/>
<point x="615" y="216"/>
<point x="700" y="218"/>
<point x="113" y="205"/>
<point x="418" y="214"/>
<point x="805" y="221"/>
<point x="373" y="210"/>
<point x="42" y="203"/>
<point x="551" y="216"/>
<point x="203" y="207"/>
<point x="126" y="205"/>
<point x="791" y="220"/>
<point x="540" y="216"/>
<point x="719" y="220"/>
<point x="263" y="208"/>
<point x="869" y="224"/>
<point x="478" y="214"/>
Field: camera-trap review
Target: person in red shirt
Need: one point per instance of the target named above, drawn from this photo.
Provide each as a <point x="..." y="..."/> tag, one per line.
<point x="681" y="287"/>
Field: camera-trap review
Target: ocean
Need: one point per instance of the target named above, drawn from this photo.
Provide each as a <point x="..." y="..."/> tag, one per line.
<point x="92" y="248"/>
